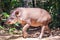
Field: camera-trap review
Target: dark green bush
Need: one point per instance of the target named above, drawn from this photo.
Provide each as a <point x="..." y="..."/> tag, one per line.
<point x="53" y="6"/>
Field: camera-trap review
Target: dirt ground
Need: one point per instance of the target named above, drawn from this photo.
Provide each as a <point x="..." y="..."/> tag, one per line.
<point x="33" y="33"/>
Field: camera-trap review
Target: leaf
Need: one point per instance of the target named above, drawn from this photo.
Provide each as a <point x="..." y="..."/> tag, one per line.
<point x="5" y="14"/>
<point x="12" y="29"/>
<point x="1" y="27"/>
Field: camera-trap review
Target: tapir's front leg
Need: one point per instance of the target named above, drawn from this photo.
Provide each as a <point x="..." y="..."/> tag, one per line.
<point x="25" y="34"/>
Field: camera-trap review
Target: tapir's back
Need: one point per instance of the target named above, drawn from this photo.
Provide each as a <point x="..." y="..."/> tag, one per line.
<point x="35" y="13"/>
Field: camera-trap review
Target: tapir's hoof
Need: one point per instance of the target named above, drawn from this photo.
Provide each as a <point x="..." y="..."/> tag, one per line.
<point x="25" y="35"/>
<point x="40" y="37"/>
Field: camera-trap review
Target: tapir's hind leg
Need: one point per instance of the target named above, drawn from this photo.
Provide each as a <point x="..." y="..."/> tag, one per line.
<point x="48" y="30"/>
<point x="42" y="32"/>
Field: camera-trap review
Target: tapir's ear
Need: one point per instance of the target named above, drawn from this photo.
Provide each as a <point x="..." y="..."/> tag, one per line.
<point x="17" y="13"/>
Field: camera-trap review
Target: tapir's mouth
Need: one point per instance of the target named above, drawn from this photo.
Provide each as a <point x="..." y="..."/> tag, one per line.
<point x="8" y="22"/>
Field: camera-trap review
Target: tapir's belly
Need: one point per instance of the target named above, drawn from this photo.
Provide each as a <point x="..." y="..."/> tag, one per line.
<point x="33" y="23"/>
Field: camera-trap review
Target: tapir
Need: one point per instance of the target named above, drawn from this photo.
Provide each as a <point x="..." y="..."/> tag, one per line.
<point x="35" y="17"/>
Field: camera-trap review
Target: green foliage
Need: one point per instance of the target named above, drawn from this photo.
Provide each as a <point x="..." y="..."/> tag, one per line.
<point x="52" y="6"/>
<point x="16" y="24"/>
<point x="7" y="5"/>
<point x="11" y="29"/>
<point x="1" y="27"/>
<point x="5" y="14"/>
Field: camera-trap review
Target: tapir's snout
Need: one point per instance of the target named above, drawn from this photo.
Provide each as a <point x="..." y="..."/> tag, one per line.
<point x="7" y="22"/>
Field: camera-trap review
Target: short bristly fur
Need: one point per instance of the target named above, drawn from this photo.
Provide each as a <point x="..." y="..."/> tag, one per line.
<point x="31" y="17"/>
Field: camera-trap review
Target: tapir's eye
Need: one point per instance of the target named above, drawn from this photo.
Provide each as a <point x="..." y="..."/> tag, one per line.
<point x="11" y="18"/>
